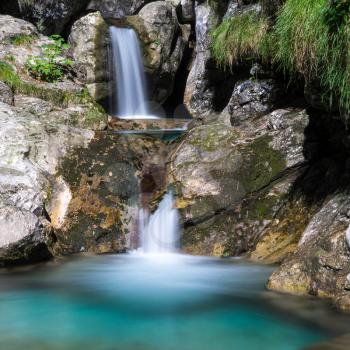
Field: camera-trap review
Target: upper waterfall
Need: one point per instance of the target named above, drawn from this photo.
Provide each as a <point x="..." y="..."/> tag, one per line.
<point x="130" y="98"/>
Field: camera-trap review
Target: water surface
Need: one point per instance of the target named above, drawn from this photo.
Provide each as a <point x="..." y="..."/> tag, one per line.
<point x="154" y="302"/>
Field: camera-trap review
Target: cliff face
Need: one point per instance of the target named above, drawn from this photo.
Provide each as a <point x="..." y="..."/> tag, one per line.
<point x="263" y="170"/>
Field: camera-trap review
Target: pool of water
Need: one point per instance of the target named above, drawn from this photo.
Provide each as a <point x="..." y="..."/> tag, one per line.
<point x="154" y="303"/>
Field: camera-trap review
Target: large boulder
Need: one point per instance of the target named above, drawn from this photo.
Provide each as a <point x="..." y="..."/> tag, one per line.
<point x="232" y="182"/>
<point x="320" y="265"/>
<point x="31" y="149"/>
<point x="116" y="8"/>
<point x="49" y="16"/>
<point x="89" y="39"/>
<point x="163" y="41"/>
<point x="22" y="238"/>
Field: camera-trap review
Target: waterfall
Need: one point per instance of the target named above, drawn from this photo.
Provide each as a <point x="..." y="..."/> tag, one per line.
<point x="160" y="231"/>
<point x="129" y="100"/>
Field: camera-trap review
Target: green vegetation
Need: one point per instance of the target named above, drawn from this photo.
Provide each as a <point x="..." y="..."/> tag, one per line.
<point x="57" y="96"/>
<point x="309" y="38"/>
<point x="52" y="65"/>
<point x="312" y="37"/>
<point x="21" y="39"/>
<point x="238" y="38"/>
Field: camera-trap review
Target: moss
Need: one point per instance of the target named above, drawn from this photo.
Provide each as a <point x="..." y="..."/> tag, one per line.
<point x="239" y="38"/>
<point x="265" y="164"/>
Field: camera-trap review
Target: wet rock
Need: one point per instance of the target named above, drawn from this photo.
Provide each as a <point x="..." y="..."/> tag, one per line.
<point x="6" y="94"/>
<point x="252" y="99"/>
<point x="163" y="41"/>
<point x="101" y="216"/>
<point x="89" y="39"/>
<point x="49" y="16"/>
<point x="22" y="237"/>
<point x="116" y="8"/>
<point x="232" y="182"/>
<point x="320" y="265"/>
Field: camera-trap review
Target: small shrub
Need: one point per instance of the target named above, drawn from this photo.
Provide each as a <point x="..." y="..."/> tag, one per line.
<point x="52" y="65"/>
<point x="238" y="38"/>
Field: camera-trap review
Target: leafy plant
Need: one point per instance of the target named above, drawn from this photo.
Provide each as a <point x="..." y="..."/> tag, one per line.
<point x="52" y="65"/>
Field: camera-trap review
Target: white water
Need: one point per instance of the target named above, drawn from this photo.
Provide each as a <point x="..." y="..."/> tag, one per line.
<point x="160" y="231"/>
<point x="130" y="101"/>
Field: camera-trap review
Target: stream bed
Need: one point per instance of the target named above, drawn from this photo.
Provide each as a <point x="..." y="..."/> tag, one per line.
<point x="160" y="302"/>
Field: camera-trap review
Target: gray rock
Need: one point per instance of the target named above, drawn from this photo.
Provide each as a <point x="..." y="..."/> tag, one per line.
<point x="6" y="94"/>
<point x="116" y="8"/>
<point x="321" y="263"/>
<point x="49" y="16"/>
<point x="252" y="99"/>
<point x="89" y="39"/>
<point x="163" y="41"/>
<point x="200" y="91"/>
<point x="11" y="27"/>
<point x="22" y="237"/>
<point x="187" y="11"/>
<point x="226" y="179"/>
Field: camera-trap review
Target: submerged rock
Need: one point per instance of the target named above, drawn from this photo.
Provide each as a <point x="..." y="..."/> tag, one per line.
<point x="163" y="41"/>
<point x="232" y="182"/>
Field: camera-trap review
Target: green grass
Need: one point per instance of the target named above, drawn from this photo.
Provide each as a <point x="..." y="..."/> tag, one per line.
<point x="49" y="93"/>
<point x="310" y="38"/>
<point x="238" y="38"/>
<point x="22" y="39"/>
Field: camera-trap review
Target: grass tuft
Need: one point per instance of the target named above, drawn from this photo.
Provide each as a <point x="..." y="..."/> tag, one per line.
<point x="238" y="38"/>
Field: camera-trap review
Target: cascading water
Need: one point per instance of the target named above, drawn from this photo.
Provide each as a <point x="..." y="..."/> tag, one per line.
<point x="129" y="100"/>
<point x="160" y="231"/>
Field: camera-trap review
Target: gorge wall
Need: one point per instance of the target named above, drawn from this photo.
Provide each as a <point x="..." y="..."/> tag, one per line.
<point x="263" y="170"/>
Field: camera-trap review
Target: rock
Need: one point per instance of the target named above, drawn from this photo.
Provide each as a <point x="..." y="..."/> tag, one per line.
<point x="22" y="237"/>
<point x="187" y="11"/>
<point x="320" y="265"/>
<point x="89" y="39"/>
<point x="117" y="8"/>
<point x="208" y="87"/>
<point x="49" y="16"/>
<point x="6" y="94"/>
<point x="251" y="99"/>
<point x="163" y="41"/>
<point x="104" y="185"/>
<point x="13" y="27"/>
<point x="232" y="182"/>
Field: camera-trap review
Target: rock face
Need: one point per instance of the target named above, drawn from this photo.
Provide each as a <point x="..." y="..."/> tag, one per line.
<point x="49" y="16"/>
<point x="116" y="8"/>
<point x="104" y="184"/>
<point x="6" y="94"/>
<point x="89" y="39"/>
<point x="320" y="265"/>
<point x="163" y="41"/>
<point x="232" y="182"/>
<point x="200" y="91"/>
